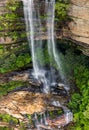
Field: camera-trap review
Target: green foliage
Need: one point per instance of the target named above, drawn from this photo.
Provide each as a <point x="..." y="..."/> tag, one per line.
<point x="43" y="56"/>
<point x="7" y="87"/>
<point x="12" y="5"/>
<point x="82" y="78"/>
<point x="9" y="119"/>
<point x="10" y="24"/>
<point x="15" y="62"/>
<point x="6" y="128"/>
<point x="61" y="9"/>
<point x="54" y="114"/>
<point x="12" y="27"/>
<point x="70" y="57"/>
<point x="80" y="102"/>
<point x="76" y="101"/>
<point x="1" y="49"/>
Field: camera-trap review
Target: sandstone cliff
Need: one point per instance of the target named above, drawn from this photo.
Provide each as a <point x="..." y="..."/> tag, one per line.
<point x="79" y="26"/>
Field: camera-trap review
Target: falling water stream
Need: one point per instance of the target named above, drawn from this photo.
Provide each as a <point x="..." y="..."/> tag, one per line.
<point x="34" y="29"/>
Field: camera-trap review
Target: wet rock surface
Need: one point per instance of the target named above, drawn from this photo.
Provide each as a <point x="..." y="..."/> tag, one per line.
<point x="22" y="102"/>
<point x="46" y="111"/>
<point x="59" y="89"/>
<point x="25" y="76"/>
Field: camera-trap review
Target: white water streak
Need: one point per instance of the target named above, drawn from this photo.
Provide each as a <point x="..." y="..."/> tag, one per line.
<point x="32" y="19"/>
<point x="28" y="13"/>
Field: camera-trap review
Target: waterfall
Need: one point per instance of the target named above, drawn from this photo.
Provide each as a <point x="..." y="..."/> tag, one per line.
<point x="50" y="10"/>
<point x="34" y="27"/>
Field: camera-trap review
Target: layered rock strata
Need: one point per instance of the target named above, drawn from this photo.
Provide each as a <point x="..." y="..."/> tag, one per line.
<point x="79" y="26"/>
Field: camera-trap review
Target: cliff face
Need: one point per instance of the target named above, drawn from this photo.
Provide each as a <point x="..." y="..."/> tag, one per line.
<point x="79" y="26"/>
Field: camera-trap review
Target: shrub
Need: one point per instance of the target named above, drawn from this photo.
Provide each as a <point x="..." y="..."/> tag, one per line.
<point x="80" y="101"/>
